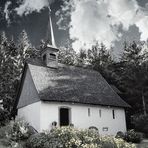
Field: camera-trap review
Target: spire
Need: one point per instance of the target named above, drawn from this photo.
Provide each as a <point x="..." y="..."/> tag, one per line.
<point x="50" y="34"/>
<point x="49" y="53"/>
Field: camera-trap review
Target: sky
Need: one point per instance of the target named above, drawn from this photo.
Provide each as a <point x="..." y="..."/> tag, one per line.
<point x="82" y="22"/>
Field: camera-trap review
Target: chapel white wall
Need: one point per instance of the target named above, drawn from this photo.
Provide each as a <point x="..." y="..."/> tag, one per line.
<point x="80" y="118"/>
<point x="31" y="114"/>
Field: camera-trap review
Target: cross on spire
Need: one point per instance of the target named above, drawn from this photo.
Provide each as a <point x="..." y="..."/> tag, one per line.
<point x="50" y="33"/>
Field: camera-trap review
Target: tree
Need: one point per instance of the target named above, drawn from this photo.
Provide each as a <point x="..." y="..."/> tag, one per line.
<point x="67" y="56"/>
<point x="7" y="69"/>
<point x="81" y="58"/>
<point x="101" y="60"/>
<point x="133" y="76"/>
<point x="12" y="61"/>
<point x="25" y="50"/>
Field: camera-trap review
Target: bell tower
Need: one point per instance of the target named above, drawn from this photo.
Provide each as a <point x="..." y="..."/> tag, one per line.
<point x="50" y="52"/>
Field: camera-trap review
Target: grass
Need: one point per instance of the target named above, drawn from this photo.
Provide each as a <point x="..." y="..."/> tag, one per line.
<point x="2" y="146"/>
<point x="143" y="144"/>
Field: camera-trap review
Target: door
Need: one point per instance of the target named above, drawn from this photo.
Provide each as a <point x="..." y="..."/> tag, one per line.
<point x="64" y="116"/>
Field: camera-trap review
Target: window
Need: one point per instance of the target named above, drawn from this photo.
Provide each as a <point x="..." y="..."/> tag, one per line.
<point x="89" y="112"/>
<point x="44" y="57"/>
<point x="100" y="113"/>
<point x="52" y="56"/>
<point x="113" y="112"/>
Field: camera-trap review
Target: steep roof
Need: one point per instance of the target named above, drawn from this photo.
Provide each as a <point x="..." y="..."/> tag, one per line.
<point x="73" y="84"/>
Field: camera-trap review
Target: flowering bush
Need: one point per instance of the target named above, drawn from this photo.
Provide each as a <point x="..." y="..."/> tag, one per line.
<point x="38" y="140"/>
<point x="120" y="143"/>
<point x="68" y="137"/>
<point x="65" y="137"/>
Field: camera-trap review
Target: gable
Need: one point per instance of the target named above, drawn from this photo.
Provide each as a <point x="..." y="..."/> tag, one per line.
<point x="28" y="92"/>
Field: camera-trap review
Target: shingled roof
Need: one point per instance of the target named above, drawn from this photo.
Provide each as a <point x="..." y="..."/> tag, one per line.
<point x="73" y="84"/>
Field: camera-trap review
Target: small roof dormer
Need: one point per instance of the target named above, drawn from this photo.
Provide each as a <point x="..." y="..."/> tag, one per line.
<point x="50" y="52"/>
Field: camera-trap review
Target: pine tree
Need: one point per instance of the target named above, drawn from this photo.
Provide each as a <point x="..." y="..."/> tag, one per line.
<point x="101" y="60"/>
<point x="133" y="76"/>
<point x="13" y="57"/>
<point x="7" y="70"/>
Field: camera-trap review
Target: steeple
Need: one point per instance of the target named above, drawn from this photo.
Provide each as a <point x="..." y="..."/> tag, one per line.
<point x="50" y="52"/>
<point x="50" y="33"/>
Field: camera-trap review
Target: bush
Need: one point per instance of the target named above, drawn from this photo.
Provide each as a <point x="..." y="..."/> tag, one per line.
<point x="4" y="117"/>
<point x="15" y="132"/>
<point x="108" y="142"/>
<point x="120" y="135"/>
<point x="120" y="143"/>
<point x="68" y="137"/>
<point x="141" y="124"/>
<point x="4" y="130"/>
<point x="132" y="136"/>
<point x="37" y="141"/>
<point x="64" y="137"/>
<point x="19" y="130"/>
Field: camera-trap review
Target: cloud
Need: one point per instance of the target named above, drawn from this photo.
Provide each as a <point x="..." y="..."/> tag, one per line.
<point x="102" y="20"/>
<point x="6" y="11"/>
<point x="28" y="6"/>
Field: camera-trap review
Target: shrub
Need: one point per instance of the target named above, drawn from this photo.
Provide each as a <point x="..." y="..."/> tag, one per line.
<point x="64" y="137"/>
<point x="14" y="132"/>
<point x="68" y="137"/>
<point x="37" y="141"/>
<point x="132" y="136"/>
<point x="19" y="130"/>
<point x="120" y="135"/>
<point x="3" y="131"/>
<point x="120" y="143"/>
<point x="4" y="117"/>
<point x="86" y="137"/>
<point x="108" y="142"/>
<point x="141" y="123"/>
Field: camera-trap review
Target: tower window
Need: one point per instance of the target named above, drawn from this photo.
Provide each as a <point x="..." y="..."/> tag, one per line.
<point x="44" y="57"/>
<point x="52" y="56"/>
<point x="113" y="112"/>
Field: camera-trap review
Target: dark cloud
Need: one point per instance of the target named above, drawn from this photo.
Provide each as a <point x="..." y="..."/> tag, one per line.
<point x="142" y="2"/>
<point x="35" y="24"/>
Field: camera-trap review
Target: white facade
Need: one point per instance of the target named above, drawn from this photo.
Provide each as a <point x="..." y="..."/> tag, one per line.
<point x="31" y="114"/>
<point x="41" y="115"/>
